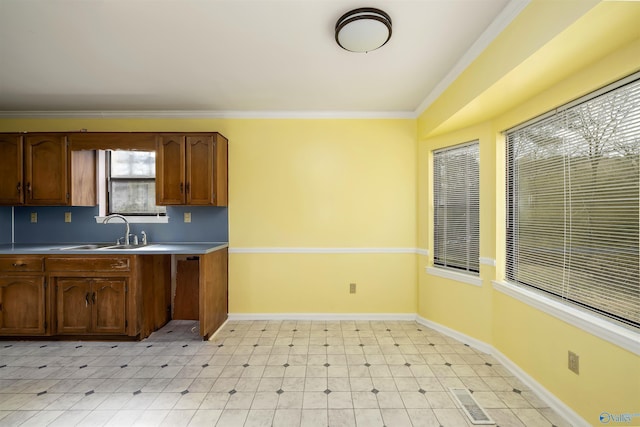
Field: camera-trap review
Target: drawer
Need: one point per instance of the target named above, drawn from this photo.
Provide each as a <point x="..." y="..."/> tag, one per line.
<point x="19" y="264"/>
<point x="89" y="264"/>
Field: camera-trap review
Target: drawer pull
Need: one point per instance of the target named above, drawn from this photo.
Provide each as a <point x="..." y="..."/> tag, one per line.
<point x="19" y="264"/>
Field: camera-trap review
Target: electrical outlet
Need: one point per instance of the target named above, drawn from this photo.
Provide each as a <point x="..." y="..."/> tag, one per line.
<point x="34" y="217"/>
<point x="574" y="363"/>
<point x="352" y="288"/>
<point x="67" y="217"/>
<point x="187" y="217"/>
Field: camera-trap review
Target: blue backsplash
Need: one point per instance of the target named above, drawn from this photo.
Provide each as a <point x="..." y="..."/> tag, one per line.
<point x="5" y="224"/>
<point x="208" y="224"/>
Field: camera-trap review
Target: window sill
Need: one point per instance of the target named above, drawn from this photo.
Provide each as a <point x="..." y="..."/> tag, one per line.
<point x="601" y="328"/>
<point x="454" y="275"/>
<point x="140" y="219"/>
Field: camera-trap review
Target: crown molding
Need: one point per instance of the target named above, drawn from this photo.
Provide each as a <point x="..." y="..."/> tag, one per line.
<point x="506" y="16"/>
<point x="206" y="114"/>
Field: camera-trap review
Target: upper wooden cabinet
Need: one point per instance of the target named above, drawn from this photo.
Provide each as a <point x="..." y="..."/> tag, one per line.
<point x="11" y="170"/>
<point x="191" y="169"/>
<point x="39" y="169"/>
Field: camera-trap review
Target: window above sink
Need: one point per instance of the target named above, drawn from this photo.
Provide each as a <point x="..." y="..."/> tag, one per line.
<point x="126" y="186"/>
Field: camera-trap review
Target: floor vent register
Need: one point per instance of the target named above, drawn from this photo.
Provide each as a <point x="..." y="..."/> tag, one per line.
<point x="476" y="414"/>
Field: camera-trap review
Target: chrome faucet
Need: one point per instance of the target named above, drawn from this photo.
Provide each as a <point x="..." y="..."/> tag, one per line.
<point x="128" y="230"/>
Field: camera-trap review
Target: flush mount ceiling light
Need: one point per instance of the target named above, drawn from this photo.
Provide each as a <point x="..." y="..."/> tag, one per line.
<point x="363" y="30"/>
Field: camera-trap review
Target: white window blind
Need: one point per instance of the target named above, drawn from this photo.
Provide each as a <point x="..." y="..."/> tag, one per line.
<point x="573" y="204"/>
<point x="456" y="184"/>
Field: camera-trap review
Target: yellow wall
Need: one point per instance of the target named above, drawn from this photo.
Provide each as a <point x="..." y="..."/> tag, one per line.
<point x="307" y="184"/>
<point x="609" y="377"/>
<point x="366" y="184"/>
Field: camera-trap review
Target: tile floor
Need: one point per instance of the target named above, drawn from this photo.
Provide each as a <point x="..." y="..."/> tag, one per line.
<point x="261" y="373"/>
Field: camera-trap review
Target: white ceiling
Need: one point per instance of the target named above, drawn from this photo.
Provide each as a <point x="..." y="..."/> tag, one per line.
<point x="234" y="55"/>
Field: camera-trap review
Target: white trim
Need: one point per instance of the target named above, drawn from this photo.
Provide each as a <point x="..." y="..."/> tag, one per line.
<point x="421" y="251"/>
<point x="487" y="261"/>
<point x="454" y="275"/>
<point x="323" y="250"/>
<point x="140" y="219"/>
<point x="209" y="114"/>
<point x="504" y="18"/>
<point x="601" y="328"/>
<point x="549" y="398"/>
<point x="465" y="339"/>
<point x="322" y="316"/>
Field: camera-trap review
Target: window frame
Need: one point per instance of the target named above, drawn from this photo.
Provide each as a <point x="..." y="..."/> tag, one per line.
<point x="441" y="268"/>
<point x="530" y="293"/>
<point x="103" y="195"/>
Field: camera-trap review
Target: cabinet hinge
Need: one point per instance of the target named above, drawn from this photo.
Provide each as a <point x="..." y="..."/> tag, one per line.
<point x="68" y="196"/>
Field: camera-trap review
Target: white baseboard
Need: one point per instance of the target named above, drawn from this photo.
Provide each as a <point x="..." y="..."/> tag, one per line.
<point x="322" y="316"/>
<point x="475" y="343"/>
<point x="549" y="398"/>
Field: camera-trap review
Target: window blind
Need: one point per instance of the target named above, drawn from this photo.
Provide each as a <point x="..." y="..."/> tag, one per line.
<point x="573" y="204"/>
<point x="456" y="184"/>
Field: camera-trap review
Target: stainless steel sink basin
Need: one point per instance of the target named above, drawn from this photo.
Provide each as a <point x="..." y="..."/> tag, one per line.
<point x="102" y="246"/>
<point x="88" y="247"/>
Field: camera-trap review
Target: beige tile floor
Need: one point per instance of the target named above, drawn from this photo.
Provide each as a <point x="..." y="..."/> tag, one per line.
<point x="262" y="373"/>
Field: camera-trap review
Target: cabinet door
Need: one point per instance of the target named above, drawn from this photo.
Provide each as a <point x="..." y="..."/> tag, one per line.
<point x="108" y="298"/>
<point x="11" y="185"/>
<point x="73" y="305"/>
<point x="46" y="180"/>
<point x="200" y="175"/>
<point x="22" y="305"/>
<point x="170" y="170"/>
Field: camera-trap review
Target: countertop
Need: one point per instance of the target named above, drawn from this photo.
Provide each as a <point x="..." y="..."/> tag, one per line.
<point x="150" y="249"/>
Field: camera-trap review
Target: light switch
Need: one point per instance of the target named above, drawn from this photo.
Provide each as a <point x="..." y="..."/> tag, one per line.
<point x="187" y="217"/>
<point x="67" y="217"/>
<point x="34" y="217"/>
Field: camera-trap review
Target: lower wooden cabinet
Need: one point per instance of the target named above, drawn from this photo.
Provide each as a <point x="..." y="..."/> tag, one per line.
<point x="22" y="305"/>
<point x="116" y="296"/>
<point x="91" y="306"/>
<point x="104" y="296"/>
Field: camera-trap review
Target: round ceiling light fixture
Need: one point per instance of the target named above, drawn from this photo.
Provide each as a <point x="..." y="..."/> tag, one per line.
<point x="363" y="30"/>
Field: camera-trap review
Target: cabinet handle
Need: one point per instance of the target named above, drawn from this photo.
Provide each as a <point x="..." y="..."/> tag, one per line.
<point x="93" y="298"/>
<point x="188" y="186"/>
<point x="181" y="188"/>
<point x="86" y="300"/>
<point x="18" y="264"/>
<point x="19" y="188"/>
<point x="28" y="188"/>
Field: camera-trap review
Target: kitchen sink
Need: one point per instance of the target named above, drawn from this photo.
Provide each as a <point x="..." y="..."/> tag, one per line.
<point x="102" y="246"/>
<point x="88" y="247"/>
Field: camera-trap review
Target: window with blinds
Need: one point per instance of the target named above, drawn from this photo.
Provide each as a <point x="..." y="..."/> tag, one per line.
<point x="456" y="200"/>
<point x="573" y="203"/>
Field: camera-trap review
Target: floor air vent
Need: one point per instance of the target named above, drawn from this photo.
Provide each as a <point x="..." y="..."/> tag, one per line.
<point x="476" y="414"/>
